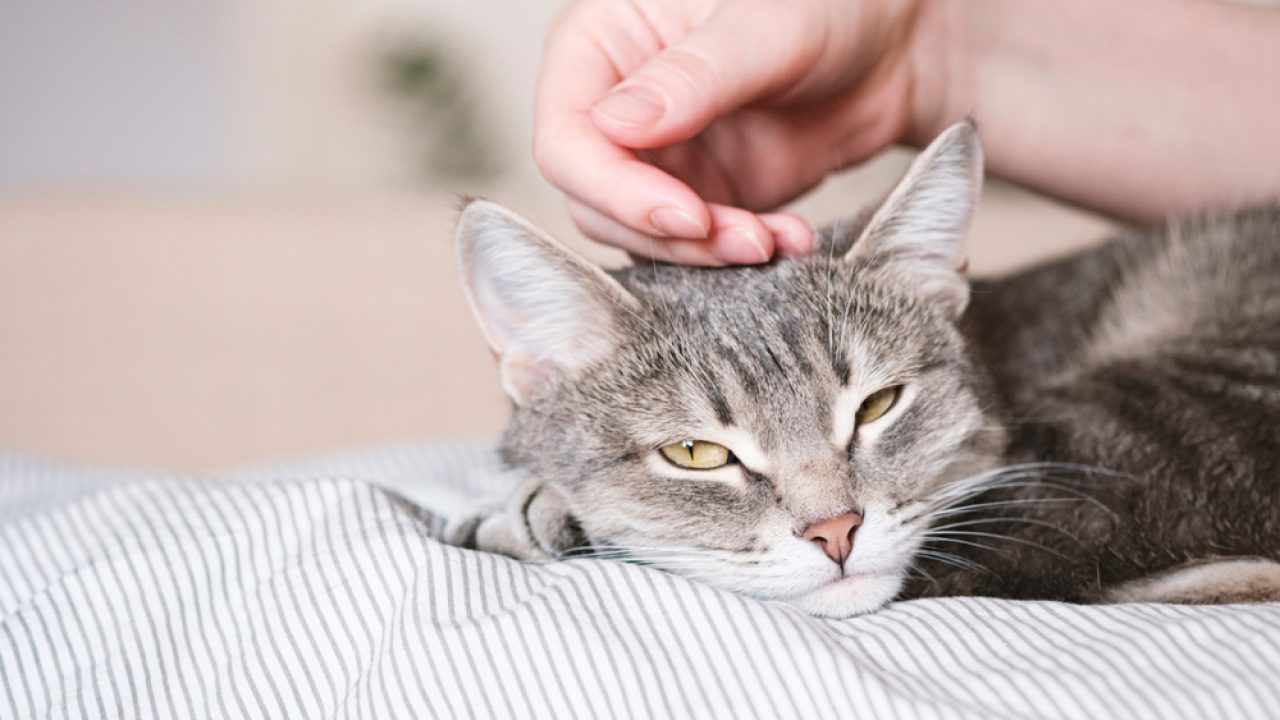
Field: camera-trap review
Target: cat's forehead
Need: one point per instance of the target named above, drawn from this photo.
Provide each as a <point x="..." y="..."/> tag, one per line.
<point x="769" y="349"/>
<point x="815" y="300"/>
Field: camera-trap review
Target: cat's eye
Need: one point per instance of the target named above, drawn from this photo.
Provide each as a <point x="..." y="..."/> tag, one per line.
<point x="698" y="454"/>
<point x="877" y="404"/>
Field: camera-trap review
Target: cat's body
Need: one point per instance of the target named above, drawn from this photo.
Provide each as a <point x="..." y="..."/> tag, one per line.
<point x="1156" y="356"/>
<point x="1080" y="431"/>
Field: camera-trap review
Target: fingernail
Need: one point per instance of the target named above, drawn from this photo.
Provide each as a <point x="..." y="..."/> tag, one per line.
<point x="793" y="245"/>
<point x="743" y="246"/>
<point x="632" y="106"/>
<point x="674" y="222"/>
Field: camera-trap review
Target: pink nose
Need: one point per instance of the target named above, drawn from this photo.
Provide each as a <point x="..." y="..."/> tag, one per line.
<point x="835" y="535"/>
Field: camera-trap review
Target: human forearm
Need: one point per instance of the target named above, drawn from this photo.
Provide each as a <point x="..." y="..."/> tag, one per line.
<point x="1138" y="109"/>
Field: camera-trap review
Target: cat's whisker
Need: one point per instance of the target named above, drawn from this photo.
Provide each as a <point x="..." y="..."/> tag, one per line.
<point x="987" y="521"/>
<point x="684" y="560"/>
<point x="958" y="541"/>
<point x="1086" y="470"/>
<point x="962" y="490"/>
<point x="986" y="475"/>
<point x="701" y="564"/>
<point x="997" y="536"/>
<point x="624" y="556"/>
<point x="965" y="509"/>
<point x="1038" y="464"/>
<point x="696" y="571"/>
<point x="619" y="552"/>
<point x="953" y="560"/>
<point x="1024" y="475"/>
<point x="968" y="564"/>
<point x="914" y="568"/>
<point x="672" y="563"/>
<point x="1083" y="496"/>
<point x="621" y="546"/>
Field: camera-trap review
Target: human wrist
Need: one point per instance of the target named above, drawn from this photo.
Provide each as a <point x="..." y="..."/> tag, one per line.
<point x="942" y="58"/>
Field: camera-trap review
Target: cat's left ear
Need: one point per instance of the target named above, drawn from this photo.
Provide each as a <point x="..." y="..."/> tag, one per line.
<point x="546" y="312"/>
<point x="918" y="232"/>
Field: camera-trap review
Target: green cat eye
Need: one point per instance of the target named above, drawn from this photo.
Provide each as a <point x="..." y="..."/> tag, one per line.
<point x="877" y="404"/>
<point x="697" y="454"/>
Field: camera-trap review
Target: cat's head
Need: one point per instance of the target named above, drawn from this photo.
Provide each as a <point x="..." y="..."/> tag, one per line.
<point x="779" y="431"/>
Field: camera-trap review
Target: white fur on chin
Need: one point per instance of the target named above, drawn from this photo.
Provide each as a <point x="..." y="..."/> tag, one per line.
<point x="853" y="595"/>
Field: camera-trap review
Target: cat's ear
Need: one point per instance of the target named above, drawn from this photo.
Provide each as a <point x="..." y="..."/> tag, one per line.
<point x="918" y="232"/>
<point x="545" y="311"/>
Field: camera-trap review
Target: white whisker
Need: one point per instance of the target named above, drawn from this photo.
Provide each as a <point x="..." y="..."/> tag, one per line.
<point x="965" y="509"/>
<point x="997" y="536"/>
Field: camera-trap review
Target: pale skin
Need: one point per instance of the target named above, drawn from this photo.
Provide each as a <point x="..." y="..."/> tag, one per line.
<point x="678" y="127"/>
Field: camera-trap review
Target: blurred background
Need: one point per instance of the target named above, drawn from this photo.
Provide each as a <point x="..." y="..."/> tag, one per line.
<point x="224" y="226"/>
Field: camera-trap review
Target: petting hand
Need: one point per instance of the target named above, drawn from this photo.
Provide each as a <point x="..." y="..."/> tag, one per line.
<point x="673" y="125"/>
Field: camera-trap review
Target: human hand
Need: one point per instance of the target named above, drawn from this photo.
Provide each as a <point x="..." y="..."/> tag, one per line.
<point x="675" y="125"/>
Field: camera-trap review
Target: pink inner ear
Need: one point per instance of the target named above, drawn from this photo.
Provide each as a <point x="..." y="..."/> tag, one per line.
<point x="520" y="374"/>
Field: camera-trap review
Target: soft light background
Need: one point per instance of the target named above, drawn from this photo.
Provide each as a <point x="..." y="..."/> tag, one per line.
<point x="225" y="238"/>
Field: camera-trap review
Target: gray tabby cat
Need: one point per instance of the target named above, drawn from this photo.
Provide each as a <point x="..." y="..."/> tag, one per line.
<point x="864" y="424"/>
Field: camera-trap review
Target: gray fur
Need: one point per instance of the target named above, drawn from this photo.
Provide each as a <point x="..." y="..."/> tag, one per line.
<point x="1080" y="426"/>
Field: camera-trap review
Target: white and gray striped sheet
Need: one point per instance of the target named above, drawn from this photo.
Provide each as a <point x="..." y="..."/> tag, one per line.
<point x="305" y="590"/>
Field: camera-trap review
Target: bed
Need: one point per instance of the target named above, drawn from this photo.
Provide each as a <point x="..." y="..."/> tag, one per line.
<point x="316" y="589"/>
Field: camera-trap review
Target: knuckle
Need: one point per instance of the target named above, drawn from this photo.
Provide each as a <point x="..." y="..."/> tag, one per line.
<point x="688" y="70"/>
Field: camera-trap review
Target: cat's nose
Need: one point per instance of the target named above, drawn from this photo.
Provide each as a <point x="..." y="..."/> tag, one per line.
<point x="834" y="535"/>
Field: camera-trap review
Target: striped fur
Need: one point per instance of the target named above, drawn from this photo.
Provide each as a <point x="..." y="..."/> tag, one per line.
<point x="1060" y="432"/>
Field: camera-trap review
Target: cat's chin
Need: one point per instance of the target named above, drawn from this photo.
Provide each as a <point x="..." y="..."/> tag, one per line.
<point x="849" y="596"/>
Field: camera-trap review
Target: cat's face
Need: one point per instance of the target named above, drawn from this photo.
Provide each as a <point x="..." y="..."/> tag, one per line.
<point x="780" y="432"/>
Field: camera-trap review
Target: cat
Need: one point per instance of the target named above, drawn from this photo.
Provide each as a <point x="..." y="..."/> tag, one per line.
<point x="864" y="424"/>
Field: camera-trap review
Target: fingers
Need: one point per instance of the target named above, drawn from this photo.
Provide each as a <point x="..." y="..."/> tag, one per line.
<point x="619" y="198"/>
<point x="708" y="73"/>
<point x="737" y="238"/>
<point x="579" y="68"/>
<point x="601" y="227"/>
<point x="792" y="236"/>
<point x="614" y="181"/>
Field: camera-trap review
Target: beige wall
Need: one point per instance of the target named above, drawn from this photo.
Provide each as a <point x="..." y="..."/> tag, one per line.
<point x="295" y="294"/>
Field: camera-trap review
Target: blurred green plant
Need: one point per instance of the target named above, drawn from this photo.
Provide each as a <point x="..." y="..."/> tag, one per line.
<point x="429" y="86"/>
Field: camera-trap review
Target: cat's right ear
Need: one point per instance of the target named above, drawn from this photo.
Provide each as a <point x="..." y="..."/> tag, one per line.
<point x="546" y="312"/>
<point x="917" y="234"/>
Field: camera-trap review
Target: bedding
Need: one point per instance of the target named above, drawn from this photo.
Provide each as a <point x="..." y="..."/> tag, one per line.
<point x="316" y="589"/>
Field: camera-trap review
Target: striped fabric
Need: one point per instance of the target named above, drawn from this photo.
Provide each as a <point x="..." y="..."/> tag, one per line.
<point x="306" y="591"/>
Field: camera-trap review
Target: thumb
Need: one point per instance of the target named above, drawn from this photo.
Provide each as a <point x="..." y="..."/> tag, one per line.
<point x="718" y="67"/>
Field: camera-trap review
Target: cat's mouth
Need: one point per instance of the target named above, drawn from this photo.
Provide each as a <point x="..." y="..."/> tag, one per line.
<point x="846" y="576"/>
<point x="850" y="594"/>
